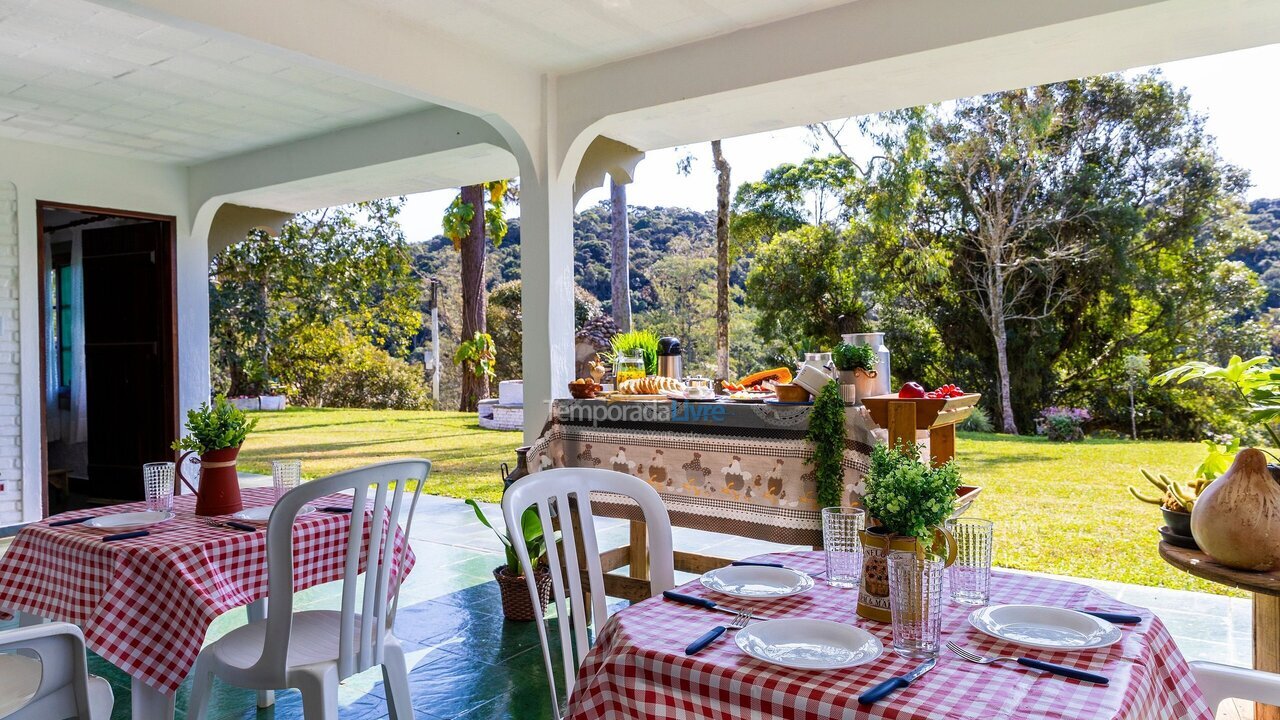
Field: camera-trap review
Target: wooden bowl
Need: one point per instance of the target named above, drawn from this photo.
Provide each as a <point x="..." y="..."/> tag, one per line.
<point x="584" y="390"/>
<point x="790" y="392"/>
<point x="930" y="412"/>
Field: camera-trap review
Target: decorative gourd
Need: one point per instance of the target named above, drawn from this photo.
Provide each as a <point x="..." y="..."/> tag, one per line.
<point x="778" y="375"/>
<point x="1236" y="520"/>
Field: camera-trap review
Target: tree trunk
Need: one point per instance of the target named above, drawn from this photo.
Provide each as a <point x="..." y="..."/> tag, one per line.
<point x="1007" y="423"/>
<point x="1133" y="416"/>
<point x="474" y="298"/>
<point x="722" y="260"/>
<point x="620" y="272"/>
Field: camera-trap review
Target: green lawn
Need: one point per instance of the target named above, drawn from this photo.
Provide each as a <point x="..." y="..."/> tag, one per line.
<point x="464" y="458"/>
<point x="1059" y="508"/>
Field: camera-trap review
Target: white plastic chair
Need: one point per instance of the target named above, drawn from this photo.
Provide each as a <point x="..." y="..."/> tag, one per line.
<point x="1221" y="682"/>
<point x="54" y="684"/>
<point x="314" y="650"/>
<point x="555" y="488"/>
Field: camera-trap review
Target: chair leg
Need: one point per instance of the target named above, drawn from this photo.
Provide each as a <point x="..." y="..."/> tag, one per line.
<point x="201" y="686"/>
<point x="395" y="678"/>
<point x="319" y="695"/>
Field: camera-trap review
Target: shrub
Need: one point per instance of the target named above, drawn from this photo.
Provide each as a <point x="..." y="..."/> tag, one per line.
<point x="1062" y="424"/>
<point x="907" y="496"/>
<point x="979" y="421"/>
<point x="329" y="367"/>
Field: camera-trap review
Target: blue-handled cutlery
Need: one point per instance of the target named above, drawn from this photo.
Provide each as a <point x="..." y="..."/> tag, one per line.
<point x="761" y="563"/>
<point x="1116" y="618"/>
<point x="888" y="687"/>
<point x="1062" y="670"/>
<point x="72" y="521"/>
<point x="739" y="621"/>
<point x="707" y="604"/>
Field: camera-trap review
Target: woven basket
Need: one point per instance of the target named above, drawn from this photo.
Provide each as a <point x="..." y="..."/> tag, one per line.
<point x="516" y="603"/>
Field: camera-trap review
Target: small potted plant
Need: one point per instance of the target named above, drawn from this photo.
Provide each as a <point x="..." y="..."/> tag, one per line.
<point x="908" y="501"/>
<point x="1177" y="500"/>
<point x="215" y="434"/>
<point x="516" y="603"/>
<point x="857" y="367"/>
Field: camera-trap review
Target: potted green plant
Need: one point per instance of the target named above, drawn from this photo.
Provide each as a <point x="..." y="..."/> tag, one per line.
<point x="857" y="367"/>
<point x="640" y="343"/>
<point x="215" y="434"/>
<point x="516" y="603"/>
<point x="1176" y="499"/>
<point x="826" y="435"/>
<point x="907" y="502"/>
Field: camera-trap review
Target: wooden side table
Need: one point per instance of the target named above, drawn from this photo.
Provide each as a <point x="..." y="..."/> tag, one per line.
<point x="1265" y="587"/>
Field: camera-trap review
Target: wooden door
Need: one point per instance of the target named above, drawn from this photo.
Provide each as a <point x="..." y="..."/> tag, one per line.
<point x="128" y="350"/>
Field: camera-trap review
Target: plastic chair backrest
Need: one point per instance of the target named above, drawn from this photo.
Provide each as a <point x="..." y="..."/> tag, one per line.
<point x="551" y="492"/>
<point x="360" y="639"/>
<point x="64" y="675"/>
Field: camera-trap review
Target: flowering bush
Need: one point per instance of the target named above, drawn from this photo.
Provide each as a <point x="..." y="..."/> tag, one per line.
<point x="1063" y="424"/>
<point x="908" y="497"/>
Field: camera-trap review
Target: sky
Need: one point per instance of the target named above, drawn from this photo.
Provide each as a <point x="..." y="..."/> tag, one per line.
<point x="1231" y="90"/>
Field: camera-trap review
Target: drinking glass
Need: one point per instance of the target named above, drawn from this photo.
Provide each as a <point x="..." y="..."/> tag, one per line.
<point x="915" y="603"/>
<point x="841" y="528"/>
<point x="285" y="475"/>
<point x="157" y="481"/>
<point x="970" y="575"/>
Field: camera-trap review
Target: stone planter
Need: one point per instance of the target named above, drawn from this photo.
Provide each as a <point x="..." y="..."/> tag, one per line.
<point x="272" y="402"/>
<point x="245" y="403"/>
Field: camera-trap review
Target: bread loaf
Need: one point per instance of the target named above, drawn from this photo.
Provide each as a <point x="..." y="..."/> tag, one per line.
<point x="651" y="385"/>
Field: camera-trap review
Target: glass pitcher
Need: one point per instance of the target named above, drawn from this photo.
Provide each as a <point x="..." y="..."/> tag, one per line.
<point x="628" y="366"/>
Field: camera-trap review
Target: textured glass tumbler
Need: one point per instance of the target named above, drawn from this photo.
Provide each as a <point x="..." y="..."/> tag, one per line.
<point x="970" y="575"/>
<point x="285" y="475"/>
<point x="157" y="482"/>
<point x="915" y="603"/>
<point x="842" y="539"/>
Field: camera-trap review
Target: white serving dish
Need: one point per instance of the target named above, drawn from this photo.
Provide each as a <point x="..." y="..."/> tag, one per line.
<point x="1047" y="628"/>
<point x="129" y="520"/>
<point x="808" y="644"/>
<point x="756" y="581"/>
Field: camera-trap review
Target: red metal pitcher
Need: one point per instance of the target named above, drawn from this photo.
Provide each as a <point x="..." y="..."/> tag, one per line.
<point x="219" y="492"/>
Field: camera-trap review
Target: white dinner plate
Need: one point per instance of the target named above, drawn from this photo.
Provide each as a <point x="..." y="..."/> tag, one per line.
<point x="756" y="581"/>
<point x="808" y="644"/>
<point x="1048" y="628"/>
<point x="262" y="513"/>
<point x="129" y="520"/>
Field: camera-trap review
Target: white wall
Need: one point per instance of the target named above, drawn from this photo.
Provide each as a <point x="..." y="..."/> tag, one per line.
<point x="44" y="172"/>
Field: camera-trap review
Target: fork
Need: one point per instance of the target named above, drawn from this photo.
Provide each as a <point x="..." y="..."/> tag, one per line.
<point x="1062" y="670"/>
<point x="739" y="621"/>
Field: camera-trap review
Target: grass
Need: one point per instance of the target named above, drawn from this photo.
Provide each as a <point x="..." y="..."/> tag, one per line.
<point x="465" y="459"/>
<point x="1059" y="507"/>
<point x="1063" y="508"/>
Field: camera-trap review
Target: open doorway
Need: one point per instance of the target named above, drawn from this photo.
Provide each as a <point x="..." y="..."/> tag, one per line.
<point x="108" y="357"/>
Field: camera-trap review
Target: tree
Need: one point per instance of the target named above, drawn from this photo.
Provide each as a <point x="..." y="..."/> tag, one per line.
<point x="683" y="282"/>
<point x="619" y="267"/>
<point x="1137" y="368"/>
<point x="802" y="282"/>
<point x="476" y="209"/>
<point x="722" y="260"/>
<point x="1002" y="211"/>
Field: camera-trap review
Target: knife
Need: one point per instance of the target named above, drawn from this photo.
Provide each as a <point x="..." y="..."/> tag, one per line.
<point x="753" y="563"/>
<point x="703" y="603"/>
<point x="1117" y="618"/>
<point x="73" y="521"/>
<point x="705" y="640"/>
<point x="887" y="687"/>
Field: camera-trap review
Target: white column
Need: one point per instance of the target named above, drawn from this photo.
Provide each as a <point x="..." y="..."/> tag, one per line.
<point x="546" y="271"/>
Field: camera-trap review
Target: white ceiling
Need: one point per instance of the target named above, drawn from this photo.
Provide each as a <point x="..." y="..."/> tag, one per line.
<point x="81" y="75"/>
<point x="559" y="36"/>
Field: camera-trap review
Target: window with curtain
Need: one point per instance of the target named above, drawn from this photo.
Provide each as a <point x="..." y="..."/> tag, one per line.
<point x="61" y="296"/>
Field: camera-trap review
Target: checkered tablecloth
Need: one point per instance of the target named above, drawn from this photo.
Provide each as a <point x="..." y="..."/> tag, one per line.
<point x="638" y="668"/>
<point x="145" y="603"/>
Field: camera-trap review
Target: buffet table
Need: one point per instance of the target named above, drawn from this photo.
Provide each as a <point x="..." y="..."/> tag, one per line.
<point x="739" y="469"/>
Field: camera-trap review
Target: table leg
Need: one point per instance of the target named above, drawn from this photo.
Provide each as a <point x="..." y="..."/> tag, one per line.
<point x="149" y="703"/>
<point x="1266" y="645"/>
<point x="258" y="611"/>
<point x="639" y="551"/>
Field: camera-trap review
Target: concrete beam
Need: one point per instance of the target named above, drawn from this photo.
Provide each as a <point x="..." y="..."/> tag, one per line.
<point x="875" y="55"/>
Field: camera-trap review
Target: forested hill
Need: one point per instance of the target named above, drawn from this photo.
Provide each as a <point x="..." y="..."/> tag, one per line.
<point x="1264" y="216"/>
<point x="652" y="230"/>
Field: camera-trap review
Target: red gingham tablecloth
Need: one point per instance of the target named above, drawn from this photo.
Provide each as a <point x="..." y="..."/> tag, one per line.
<point x="145" y="603"/>
<point x="638" y="669"/>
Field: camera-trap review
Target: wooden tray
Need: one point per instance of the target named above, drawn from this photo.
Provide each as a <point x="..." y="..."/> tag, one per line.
<point x="624" y="397"/>
<point x="965" y="495"/>
<point x="930" y="412"/>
